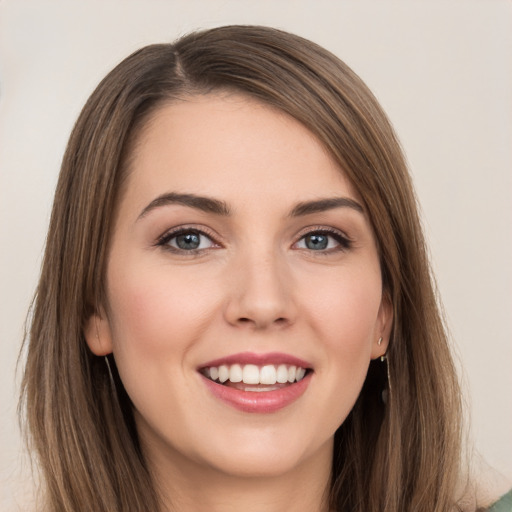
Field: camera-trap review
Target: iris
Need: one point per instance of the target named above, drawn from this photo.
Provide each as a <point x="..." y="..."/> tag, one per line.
<point x="188" y="241"/>
<point x="316" y="242"/>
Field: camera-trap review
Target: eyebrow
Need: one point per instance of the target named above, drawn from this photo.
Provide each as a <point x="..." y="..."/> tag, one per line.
<point x="218" y="207"/>
<point x="322" y="205"/>
<point x="205" y="204"/>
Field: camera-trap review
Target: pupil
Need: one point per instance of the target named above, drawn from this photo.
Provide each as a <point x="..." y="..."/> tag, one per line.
<point x="188" y="241"/>
<point x="316" y="242"/>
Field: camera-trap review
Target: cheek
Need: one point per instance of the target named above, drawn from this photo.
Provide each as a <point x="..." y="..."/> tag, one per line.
<point x="344" y="315"/>
<point x="155" y="318"/>
<point x="156" y="313"/>
<point x="346" y="310"/>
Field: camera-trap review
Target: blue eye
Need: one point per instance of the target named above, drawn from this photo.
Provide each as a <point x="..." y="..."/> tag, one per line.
<point x="188" y="240"/>
<point x="316" y="242"/>
<point x="323" y="241"/>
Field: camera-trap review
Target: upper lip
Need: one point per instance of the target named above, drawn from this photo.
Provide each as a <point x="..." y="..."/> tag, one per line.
<point x="258" y="360"/>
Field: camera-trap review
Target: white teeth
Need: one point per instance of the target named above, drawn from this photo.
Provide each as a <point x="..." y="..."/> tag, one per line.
<point x="251" y="374"/>
<point x="235" y="373"/>
<point x="214" y="373"/>
<point x="282" y="374"/>
<point x="223" y="373"/>
<point x="300" y="374"/>
<point x="292" y="371"/>
<point x="268" y="375"/>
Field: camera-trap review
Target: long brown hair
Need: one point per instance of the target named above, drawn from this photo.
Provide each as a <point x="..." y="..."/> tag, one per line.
<point x="395" y="457"/>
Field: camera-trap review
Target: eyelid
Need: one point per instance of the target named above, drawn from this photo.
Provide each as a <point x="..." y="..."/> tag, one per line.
<point x="163" y="240"/>
<point x="340" y="236"/>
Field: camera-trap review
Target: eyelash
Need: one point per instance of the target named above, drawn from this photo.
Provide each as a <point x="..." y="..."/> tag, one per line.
<point x="344" y="243"/>
<point x="164" y="240"/>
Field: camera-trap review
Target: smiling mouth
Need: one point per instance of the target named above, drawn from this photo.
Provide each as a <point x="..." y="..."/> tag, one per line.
<point x="250" y="377"/>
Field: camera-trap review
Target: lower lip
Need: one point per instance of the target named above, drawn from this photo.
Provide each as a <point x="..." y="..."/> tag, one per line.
<point x="259" y="402"/>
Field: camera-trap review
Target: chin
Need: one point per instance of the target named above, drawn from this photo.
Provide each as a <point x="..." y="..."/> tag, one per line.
<point x="266" y="454"/>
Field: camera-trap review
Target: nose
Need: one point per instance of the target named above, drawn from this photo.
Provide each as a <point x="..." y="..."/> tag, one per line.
<point x="261" y="293"/>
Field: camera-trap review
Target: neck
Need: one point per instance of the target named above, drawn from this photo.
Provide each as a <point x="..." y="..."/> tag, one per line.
<point x="185" y="486"/>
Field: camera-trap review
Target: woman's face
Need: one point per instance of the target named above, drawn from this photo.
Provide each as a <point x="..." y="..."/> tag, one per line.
<point x="240" y="251"/>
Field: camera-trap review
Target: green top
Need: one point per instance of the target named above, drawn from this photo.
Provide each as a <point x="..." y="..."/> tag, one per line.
<point x="504" y="504"/>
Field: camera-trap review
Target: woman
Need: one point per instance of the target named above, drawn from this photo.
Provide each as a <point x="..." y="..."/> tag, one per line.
<point x="235" y="310"/>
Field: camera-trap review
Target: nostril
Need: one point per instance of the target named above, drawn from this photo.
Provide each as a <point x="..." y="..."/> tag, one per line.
<point x="279" y="321"/>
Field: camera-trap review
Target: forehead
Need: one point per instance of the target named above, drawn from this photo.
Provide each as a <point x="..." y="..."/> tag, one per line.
<point x="230" y="145"/>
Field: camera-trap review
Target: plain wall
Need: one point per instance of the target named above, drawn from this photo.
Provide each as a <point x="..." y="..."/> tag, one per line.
<point x="443" y="72"/>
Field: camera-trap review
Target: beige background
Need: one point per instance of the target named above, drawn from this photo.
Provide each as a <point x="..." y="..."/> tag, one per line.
<point x="443" y="72"/>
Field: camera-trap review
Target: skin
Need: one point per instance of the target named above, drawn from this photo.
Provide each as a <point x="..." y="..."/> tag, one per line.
<point x="253" y="285"/>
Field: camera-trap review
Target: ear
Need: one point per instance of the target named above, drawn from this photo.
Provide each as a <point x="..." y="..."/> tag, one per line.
<point x="383" y="326"/>
<point x="98" y="334"/>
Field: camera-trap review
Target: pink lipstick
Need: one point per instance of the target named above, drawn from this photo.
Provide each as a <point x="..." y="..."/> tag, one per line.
<point x="258" y="383"/>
